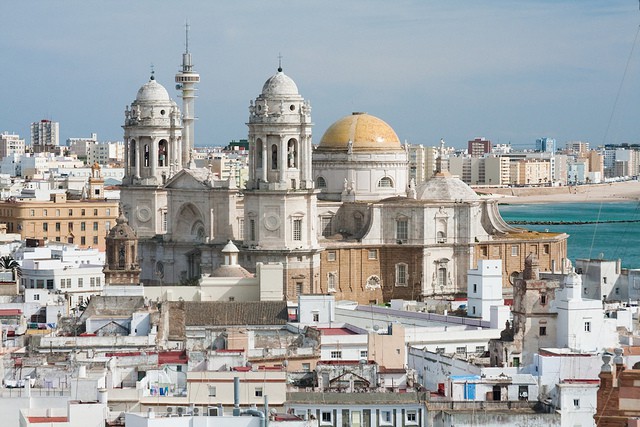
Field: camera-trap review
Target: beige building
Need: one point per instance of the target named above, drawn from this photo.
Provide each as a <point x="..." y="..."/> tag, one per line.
<point x="531" y="172"/>
<point x="481" y="170"/>
<point x="422" y="162"/>
<point x="10" y="144"/>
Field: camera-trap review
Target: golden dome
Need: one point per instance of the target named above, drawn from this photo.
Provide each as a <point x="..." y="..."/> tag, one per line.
<point x="365" y="132"/>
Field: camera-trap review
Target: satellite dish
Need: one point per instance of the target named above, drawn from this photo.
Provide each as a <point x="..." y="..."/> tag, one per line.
<point x="376" y="328"/>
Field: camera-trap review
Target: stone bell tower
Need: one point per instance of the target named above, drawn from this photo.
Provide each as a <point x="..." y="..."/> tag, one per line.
<point x="280" y="202"/>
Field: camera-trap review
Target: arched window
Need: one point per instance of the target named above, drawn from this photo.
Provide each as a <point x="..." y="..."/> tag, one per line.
<point x="292" y="153"/>
<point x="274" y="156"/>
<point x="385" y="182"/>
<point x="442" y="276"/>
<point x="132" y="151"/>
<point x="162" y="153"/>
<point x="441" y="237"/>
<point x="321" y="182"/>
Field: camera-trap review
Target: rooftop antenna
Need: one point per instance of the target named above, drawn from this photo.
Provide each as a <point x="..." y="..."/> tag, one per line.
<point x="186" y="30"/>
<point x="279" y="62"/>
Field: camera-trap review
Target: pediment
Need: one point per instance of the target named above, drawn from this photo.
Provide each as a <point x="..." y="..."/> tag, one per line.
<point x="189" y="179"/>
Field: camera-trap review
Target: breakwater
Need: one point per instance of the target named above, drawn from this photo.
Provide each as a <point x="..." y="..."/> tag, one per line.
<point x="538" y="222"/>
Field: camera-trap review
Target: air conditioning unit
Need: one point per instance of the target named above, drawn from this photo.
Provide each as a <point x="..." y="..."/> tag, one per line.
<point x="213" y="411"/>
<point x="171" y="411"/>
<point x="181" y="411"/>
<point x="196" y="411"/>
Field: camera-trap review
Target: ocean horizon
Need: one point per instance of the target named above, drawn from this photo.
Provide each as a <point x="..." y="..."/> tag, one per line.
<point x="609" y="241"/>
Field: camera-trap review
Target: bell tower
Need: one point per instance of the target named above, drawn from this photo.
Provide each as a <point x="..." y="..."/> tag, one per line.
<point x="280" y="202"/>
<point x="153" y="154"/>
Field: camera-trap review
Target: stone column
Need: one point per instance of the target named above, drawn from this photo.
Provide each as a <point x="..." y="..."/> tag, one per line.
<point x="283" y="158"/>
<point x="264" y="158"/>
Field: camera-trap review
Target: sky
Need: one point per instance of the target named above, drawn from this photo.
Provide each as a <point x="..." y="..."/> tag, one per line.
<point x="507" y="70"/>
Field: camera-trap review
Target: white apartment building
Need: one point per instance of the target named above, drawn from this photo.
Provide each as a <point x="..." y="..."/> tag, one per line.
<point x="11" y="144"/>
<point x="61" y="272"/>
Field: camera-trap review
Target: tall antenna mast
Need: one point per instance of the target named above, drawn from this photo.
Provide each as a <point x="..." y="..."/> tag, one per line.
<point x="186" y="80"/>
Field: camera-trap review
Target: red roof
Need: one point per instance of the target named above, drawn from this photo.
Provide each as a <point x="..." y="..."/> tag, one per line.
<point x="336" y="331"/>
<point x="580" y="381"/>
<point x="172" y="357"/>
<point x="10" y="312"/>
<point x="241" y="368"/>
<point x="35" y="420"/>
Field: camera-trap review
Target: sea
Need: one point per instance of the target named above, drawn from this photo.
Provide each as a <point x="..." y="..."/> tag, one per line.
<point x="604" y="240"/>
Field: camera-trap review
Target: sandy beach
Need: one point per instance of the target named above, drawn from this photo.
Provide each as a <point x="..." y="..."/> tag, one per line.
<point x="609" y="192"/>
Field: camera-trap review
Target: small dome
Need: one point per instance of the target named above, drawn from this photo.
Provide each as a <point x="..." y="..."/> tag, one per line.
<point x="363" y="132"/>
<point x="122" y="229"/>
<point x="231" y="271"/>
<point x="152" y="91"/>
<point x="279" y="85"/>
<point x="446" y="188"/>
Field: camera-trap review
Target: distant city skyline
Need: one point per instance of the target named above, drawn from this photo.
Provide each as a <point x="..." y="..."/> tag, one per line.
<point x="509" y="71"/>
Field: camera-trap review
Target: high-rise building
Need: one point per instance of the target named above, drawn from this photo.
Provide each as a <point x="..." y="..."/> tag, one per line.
<point x="11" y="144"/>
<point x="45" y="136"/>
<point x="478" y="147"/>
<point x="546" y="145"/>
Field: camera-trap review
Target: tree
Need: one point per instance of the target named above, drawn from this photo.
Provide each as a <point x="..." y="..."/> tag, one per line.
<point x="8" y="263"/>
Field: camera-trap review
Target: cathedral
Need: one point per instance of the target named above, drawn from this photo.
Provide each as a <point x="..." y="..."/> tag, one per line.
<point x="341" y="217"/>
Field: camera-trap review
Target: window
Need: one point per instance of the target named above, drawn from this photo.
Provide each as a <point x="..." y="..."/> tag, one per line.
<point x="545" y="249"/>
<point x="385" y="183"/>
<point x="321" y="182"/>
<point x="212" y="391"/>
<point x="331" y="281"/>
<point x="576" y="403"/>
<point x="70" y="212"/>
<point x="68" y="283"/>
<point x="95" y="226"/>
<point x="515" y="250"/>
<point x="70" y="225"/>
<point x="316" y="317"/>
<point x="108" y="212"/>
<point x="62" y="283"/>
<point x="440" y="350"/>
<point x="604" y="280"/>
<point x="83" y="240"/>
<point x="49" y="283"/>
<point x="83" y="226"/>
<point x="412" y="417"/>
<point x="299" y="288"/>
<point x="617" y="291"/>
<point x="331" y="255"/>
<point x="461" y="350"/>
<point x="44" y="212"/>
<point x="325" y="225"/>
<point x="484" y="250"/>
<point x="325" y="417"/>
<point x="479" y="349"/>
<point x="373" y="254"/>
<point x="475" y="288"/>
<point x="523" y="392"/>
<point x="107" y="225"/>
<point x="36" y="297"/>
<point x="385" y="417"/>
<point x="95" y="240"/>
<point x="336" y="354"/>
<point x="240" y="228"/>
<point x="82" y="212"/>
<point x="57" y="226"/>
<point x="57" y="212"/>
<point x="543" y="299"/>
<point x="364" y="354"/>
<point x="92" y="282"/>
<point x="297" y="229"/>
<point x="40" y="283"/>
<point x="587" y="326"/>
<point x="402" y="229"/>
<point x="306" y="367"/>
<point x="95" y="212"/>
<point x="80" y="282"/>
<point x="32" y="212"/>
<point x="442" y="238"/>
<point x="401" y="274"/>
<point x="252" y="229"/>
<point x="543" y="331"/>
<point x="258" y="392"/>
<point x="45" y="226"/>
